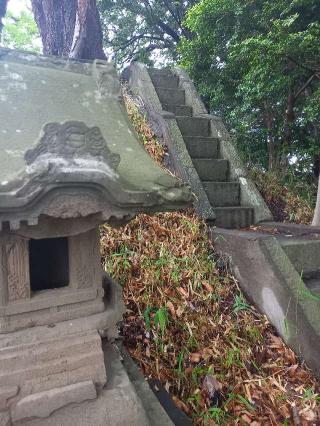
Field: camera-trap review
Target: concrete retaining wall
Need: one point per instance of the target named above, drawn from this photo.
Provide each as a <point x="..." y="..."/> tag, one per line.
<point x="271" y="282"/>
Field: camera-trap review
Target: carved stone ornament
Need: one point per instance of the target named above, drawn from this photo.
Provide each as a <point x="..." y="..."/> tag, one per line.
<point x="72" y="139"/>
<point x="17" y="270"/>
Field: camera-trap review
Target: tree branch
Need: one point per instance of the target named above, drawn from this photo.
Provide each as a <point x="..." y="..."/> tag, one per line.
<point x="169" y="31"/>
<point x="307" y="83"/>
<point x="313" y="71"/>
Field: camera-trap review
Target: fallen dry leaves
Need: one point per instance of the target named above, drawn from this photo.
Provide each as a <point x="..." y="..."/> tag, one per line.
<point x="188" y="325"/>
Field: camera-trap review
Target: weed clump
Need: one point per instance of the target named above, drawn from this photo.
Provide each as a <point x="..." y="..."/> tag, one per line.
<point x="289" y="201"/>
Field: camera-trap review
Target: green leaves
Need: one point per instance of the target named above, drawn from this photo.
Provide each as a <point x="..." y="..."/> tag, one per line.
<point x="252" y="62"/>
<point x="161" y="318"/>
<point x="134" y="30"/>
<point x="21" y="32"/>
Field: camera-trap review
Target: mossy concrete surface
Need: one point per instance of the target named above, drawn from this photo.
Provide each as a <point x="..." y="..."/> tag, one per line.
<point x="271" y="281"/>
<point x="64" y="125"/>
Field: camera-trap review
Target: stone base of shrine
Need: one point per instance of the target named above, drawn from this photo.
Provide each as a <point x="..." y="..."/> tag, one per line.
<point x="83" y="403"/>
<point x="45" y="369"/>
<point x="70" y="373"/>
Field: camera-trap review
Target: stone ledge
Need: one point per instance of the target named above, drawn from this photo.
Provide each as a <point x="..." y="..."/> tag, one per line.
<point x="42" y="404"/>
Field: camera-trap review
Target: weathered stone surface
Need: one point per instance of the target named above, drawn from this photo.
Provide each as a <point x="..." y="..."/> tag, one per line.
<point x="15" y="257"/>
<point x="234" y="217"/>
<point x="212" y="170"/>
<point x="178" y="110"/>
<point x="5" y="419"/>
<point x="304" y="253"/>
<point x="194" y="126"/>
<point x="76" y="131"/>
<point x="183" y="134"/>
<point x="42" y="404"/>
<point x="44" y="363"/>
<point x="172" y="96"/>
<point x="200" y="147"/>
<point x="68" y="164"/>
<point x="223" y="194"/>
<point x="118" y="404"/>
<point x="5" y="394"/>
<point x="156" y="413"/>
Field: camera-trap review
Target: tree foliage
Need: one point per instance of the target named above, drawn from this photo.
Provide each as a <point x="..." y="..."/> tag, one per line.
<point x="257" y="63"/>
<point x="135" y="29"/>
<point x="21" y="32"/>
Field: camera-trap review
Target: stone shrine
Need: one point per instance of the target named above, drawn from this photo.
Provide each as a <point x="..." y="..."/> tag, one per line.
<point x="69" y="162"/>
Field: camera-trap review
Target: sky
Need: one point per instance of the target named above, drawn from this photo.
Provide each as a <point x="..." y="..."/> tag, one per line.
<point x="16" y="6"/>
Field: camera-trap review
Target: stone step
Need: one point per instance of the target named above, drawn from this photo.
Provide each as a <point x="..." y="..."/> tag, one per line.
<point x="234" y="217"/>
<point x="304" y="253"/>
<point x="178" y="110"/>
<point x="165" y="81"/>
<point x="163" y="72"/>
<point x="223" y="194"/>
<point x="194" y="126"/>
<point x="212" y="170"/>
<point x="313" y="284"/>
<point x="171" y="96"/>
<point x="200" y="147"/>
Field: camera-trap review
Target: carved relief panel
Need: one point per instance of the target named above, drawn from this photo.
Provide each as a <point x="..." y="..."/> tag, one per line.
<point x="16" y="262"/>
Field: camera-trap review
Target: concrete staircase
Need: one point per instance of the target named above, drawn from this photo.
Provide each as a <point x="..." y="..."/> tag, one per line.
<point x="204" y="150"/>
<point x="304" y="254"/>
<point x="278" y="266"/>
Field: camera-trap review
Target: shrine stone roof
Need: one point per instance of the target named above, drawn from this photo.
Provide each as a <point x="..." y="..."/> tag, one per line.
<point x="65" y="135"/>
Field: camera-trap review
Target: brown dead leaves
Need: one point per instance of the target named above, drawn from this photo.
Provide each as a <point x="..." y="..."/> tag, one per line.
<point x="165" y="265"/>
<point x="221" y="365"/>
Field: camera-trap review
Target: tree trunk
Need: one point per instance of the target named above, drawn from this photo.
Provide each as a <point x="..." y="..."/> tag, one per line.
<point x="316" y="217"/>
<point x="287" y="130"/>
<point x="289" y="119"/>
<point x="87" y="40"/>
<point x="56" y="22"/>
<point x="3" y="11"/>
<point x="271" y="144"/>
<point x="316" y="157"/>
<point x="316" y="166"/>
<point x="69" y="28"/>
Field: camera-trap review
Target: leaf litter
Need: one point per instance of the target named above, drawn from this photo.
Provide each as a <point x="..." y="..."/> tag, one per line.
<point x="188" y="324"/>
